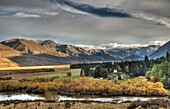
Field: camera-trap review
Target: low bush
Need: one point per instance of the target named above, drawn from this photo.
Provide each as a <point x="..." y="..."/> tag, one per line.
<point x="5" y="77"/>
<point x="69" y="74"/>
<point x="150" y="104"/>
<point x="40" y="79"/>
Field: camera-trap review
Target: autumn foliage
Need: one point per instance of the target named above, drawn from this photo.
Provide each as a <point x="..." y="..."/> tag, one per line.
<point x="88" y="86"/>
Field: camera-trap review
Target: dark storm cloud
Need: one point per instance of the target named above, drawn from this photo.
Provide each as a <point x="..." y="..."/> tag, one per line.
<point x="24" y="3"/>
<point x="103" y="12"/>
<point x="85" y="21"/>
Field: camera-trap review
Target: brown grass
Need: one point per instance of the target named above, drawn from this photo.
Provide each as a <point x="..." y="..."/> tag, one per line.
<point x="62" y="105"/>
<point x="35" y="67"/>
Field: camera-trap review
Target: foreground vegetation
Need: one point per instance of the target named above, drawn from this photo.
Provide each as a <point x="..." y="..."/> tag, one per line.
<point x="60" y="105"/>
<point x="86" y="86"/>
<point x="150" y="104"/>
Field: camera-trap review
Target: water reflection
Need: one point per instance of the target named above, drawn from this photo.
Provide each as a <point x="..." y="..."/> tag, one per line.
<point x="107" y="99"/>
<point x="33" y="97"/>
<point x="23" y="97"/>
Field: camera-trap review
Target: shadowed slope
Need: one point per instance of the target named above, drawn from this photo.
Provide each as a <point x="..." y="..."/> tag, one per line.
<point x="161" y="51"/>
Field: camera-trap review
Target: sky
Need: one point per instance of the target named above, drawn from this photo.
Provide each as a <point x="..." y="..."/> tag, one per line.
<point x="86" y="22"/>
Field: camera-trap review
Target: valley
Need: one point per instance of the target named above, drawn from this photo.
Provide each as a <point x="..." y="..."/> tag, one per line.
<point x="84" y="54"/>
<point x="23" y="52"/>
<point x="49" y="68"/>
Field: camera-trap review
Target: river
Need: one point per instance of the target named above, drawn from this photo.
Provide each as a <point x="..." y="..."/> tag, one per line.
<point x="33" y="97"/>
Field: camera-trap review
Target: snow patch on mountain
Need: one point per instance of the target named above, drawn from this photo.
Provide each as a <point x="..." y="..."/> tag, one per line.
<point x="117" y="45"/>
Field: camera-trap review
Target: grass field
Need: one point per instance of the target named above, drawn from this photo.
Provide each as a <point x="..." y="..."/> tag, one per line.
<point x="168" y="92"/>
<point x="63" y="73"/>
<point x="58" y="72"/>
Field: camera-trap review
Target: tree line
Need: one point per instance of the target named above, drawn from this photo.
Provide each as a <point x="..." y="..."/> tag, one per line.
<point x="156" y="70"/>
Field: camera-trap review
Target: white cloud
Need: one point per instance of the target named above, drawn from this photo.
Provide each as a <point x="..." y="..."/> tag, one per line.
<point x="51" y="13"/>
<point x="116" y="45"/>
<point x="88" y="47"/>
<point x="157" y="42"/>
<point x="26" y="13"/>
<point x="159" y="20"/>
<point x="20" y="14"/>
<point x="70" y="9"/>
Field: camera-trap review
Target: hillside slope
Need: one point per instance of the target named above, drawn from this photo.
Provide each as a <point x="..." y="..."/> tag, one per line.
<point x="140" y="51"/>
<point x="23" y="52"/>
<point x="31" y="47"/>
<point x="6" y="53"/>
<point x="161" y="51"/>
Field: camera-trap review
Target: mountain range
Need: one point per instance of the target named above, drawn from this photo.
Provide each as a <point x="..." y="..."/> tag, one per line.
<point x="23" y="52"/>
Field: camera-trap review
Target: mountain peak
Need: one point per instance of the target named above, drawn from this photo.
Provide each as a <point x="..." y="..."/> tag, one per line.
<point x="49" y="43"/>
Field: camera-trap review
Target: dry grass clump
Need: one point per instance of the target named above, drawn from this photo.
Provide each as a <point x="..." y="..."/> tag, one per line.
<point x="151" y="104"/>
<point x="61" y="105"/>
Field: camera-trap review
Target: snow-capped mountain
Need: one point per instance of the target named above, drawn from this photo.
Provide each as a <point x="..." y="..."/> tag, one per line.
<point x="111" y="46"/>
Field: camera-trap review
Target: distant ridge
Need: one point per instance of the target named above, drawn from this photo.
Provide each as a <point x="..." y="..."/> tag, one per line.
<point x="133" y="58"/>
<point x="161" y="51"/>
<point x="30" y="47"/>
<point x="25" y="52"/>
<point x="138" y="51"/>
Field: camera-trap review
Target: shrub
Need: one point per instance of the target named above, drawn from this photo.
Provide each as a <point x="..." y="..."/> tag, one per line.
<point x="87" y="86"/>
<point x="150" y="104"/>
<point x="6" y="78"/>
<point x="40" y="79"/>
<point x="69" y="74"/>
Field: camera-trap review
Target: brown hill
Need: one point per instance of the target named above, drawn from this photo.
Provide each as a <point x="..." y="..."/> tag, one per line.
<point x="31" y="47"/>
<point x="78" y="54"/>
<point x="22" y="52"/>
<point x="67" y="49"/>
<point x="5" y="53"/>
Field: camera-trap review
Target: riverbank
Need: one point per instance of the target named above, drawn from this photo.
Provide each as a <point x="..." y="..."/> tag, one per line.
<point x="50" y="104"/>
<point x="60" y="105"/>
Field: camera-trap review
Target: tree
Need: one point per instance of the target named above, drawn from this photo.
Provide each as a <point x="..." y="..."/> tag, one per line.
<point x="101" y="72"/>
<point x="97" y="72"/>
<point x="160" y="73"/>
<point x="82" y="73"/>
<point x="147" y="60"/>
<point x="108" y="66"/>
<point x="105" y="73"/>
<point x="119" y="68"/>
<point x="87" y="70"/>
<point x="167" y="56"/>
<point x="127" y="69"/>
<point x="69" y="74"/>
<point x="119" y="77"/>
<point x="144" y="69"/>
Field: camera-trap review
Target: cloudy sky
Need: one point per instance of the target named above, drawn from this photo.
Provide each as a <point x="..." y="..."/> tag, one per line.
<point x="87" y="22"/>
